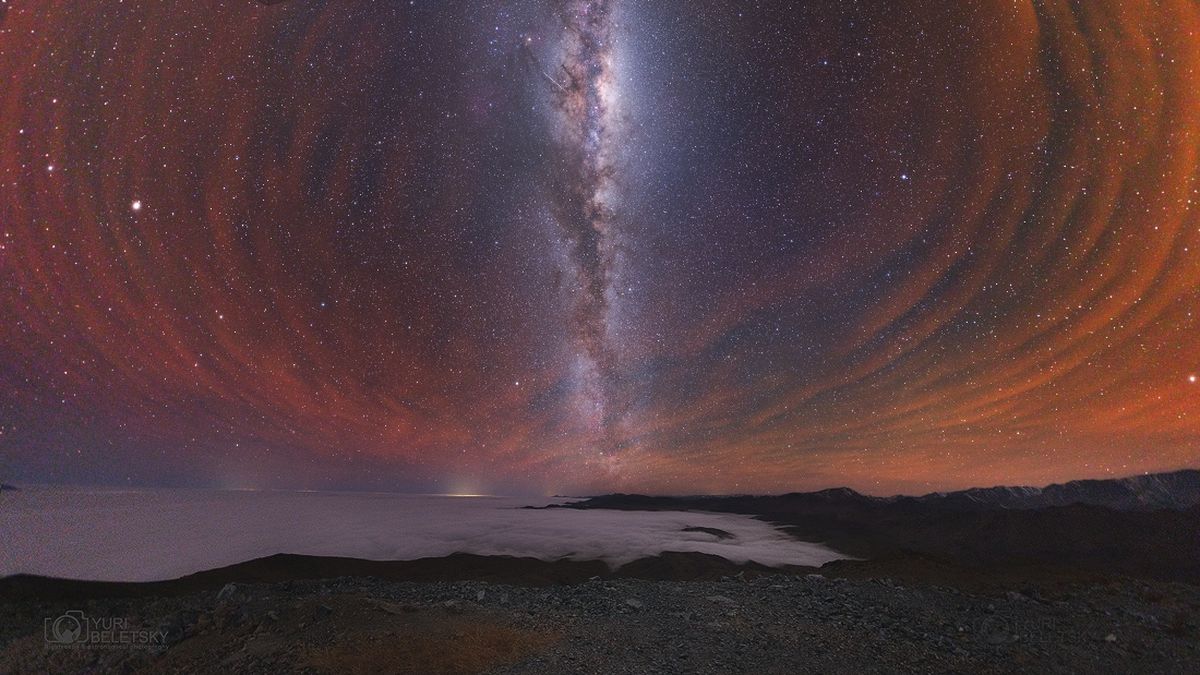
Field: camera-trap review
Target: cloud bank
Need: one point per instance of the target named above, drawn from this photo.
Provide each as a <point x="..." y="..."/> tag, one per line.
<point x="162" y="534"/>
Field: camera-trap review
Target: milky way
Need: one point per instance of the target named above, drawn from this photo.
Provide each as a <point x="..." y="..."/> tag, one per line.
<point x="594" y="245"/>
<point x="582" y="184"/>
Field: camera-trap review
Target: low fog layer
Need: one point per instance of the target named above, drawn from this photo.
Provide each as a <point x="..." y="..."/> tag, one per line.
<point x="162" y="534"/>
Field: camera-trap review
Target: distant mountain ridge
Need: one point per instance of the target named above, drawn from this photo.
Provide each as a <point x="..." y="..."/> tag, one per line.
<point x="1176" y="490"/>
<point x="1173" y="490"/>
<point x="1143" y="526"/>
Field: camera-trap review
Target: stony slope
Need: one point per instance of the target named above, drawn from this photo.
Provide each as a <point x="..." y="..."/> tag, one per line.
<point x="770" y="624"/>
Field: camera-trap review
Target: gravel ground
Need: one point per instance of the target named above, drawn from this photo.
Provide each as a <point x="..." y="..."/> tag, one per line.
<point x="770" y="624"/>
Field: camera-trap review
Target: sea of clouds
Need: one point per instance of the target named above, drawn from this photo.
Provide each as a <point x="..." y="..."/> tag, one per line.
<point x="143" y="535"/>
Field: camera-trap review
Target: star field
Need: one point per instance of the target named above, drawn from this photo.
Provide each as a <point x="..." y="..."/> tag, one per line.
<point x="598" y="245"/>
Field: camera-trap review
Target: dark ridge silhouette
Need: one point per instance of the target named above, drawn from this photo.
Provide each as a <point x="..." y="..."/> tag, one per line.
<point x="1178" y="490"/>
<point x="1078" y="539"/>
<point x="716" y="532"/>
<point x="457" y="567"/>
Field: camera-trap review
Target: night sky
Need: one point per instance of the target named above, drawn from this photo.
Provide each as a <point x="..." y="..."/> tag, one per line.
<point x="598" y="245"/>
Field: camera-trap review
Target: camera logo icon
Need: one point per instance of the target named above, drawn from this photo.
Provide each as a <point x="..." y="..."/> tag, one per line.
<point x="67" y="629"/>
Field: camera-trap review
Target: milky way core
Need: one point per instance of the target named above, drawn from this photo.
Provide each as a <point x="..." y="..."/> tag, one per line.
<point x="582" y="183"/>
<point x="598" y="245"/>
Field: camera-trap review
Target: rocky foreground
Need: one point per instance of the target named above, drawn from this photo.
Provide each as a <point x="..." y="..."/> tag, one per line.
<point x="773" y="623"/>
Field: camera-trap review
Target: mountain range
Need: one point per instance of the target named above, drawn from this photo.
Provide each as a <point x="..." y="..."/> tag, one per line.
<point x="1174" y="490"/>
